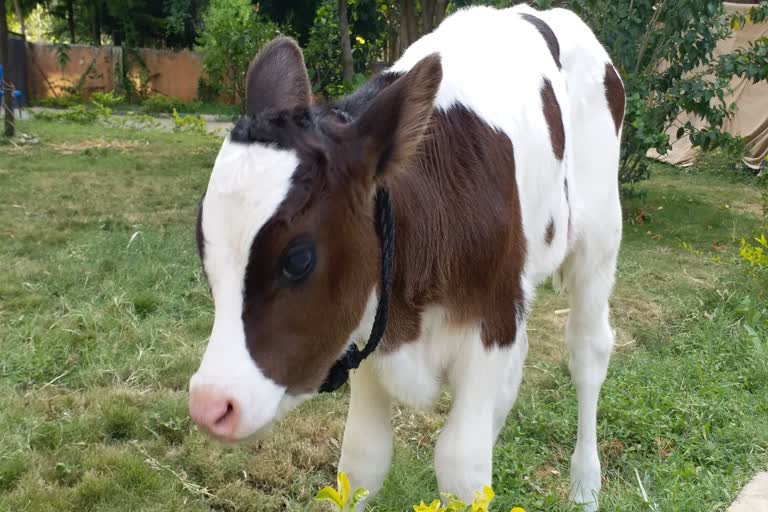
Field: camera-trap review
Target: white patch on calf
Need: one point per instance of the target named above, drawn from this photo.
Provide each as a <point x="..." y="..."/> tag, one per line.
<point x="247" y="185"/>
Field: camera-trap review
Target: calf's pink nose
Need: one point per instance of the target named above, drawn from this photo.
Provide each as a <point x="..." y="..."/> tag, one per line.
<point x="214" y="411"/>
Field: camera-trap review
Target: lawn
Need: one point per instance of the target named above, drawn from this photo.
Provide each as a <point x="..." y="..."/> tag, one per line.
<point x="104" y="315"/>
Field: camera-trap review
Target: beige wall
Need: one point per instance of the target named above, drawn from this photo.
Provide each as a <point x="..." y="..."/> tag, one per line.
<point x="45" y="74"/>
<point x="172" y="73"/>
<point x="169" y="73"/>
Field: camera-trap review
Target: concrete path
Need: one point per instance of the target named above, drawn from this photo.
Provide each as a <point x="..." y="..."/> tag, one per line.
<point x="753" y="497"/>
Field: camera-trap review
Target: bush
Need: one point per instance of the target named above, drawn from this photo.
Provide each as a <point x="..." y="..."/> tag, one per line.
<point x="232" y="34"/>
<point x="192" y="124"/>
<point x="663" y="51"/>
<point x="107" y="99"/>
<point x="323" y="51"/>
<point x="80" y="114"/>
<point x="64" y="101"/>
<point x="159" y="104"/>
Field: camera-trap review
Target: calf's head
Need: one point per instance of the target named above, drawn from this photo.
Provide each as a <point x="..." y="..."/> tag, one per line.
<point x="287" y="238"/>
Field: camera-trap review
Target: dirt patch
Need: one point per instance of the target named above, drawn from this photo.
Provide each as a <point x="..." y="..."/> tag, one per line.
<point x="755" y="208"/>
<point x="92" y="144"/>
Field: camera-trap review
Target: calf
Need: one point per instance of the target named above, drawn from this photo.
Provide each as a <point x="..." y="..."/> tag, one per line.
<point x="420" y="213"/>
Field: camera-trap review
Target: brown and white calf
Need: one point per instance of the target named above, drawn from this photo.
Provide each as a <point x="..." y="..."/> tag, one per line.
<point x="497" y="138"/>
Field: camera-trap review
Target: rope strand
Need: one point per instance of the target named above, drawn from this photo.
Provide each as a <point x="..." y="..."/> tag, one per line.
<point x="385" y="229"/>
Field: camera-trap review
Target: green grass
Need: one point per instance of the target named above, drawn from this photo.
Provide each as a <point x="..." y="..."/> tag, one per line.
<point x="103" y="318"/>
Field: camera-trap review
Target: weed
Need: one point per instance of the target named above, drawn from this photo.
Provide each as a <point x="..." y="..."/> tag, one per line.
<point x="107" y="99"/>
<point x="188" y="123"/>
<point x="157" y="104"/>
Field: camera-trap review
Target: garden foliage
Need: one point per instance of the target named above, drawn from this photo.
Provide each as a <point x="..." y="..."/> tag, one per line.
<point x="664" y="52"/>
<point x="233" y="32"/>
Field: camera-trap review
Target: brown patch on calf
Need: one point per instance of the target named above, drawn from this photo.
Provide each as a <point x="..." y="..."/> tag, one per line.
<point x="549" y="234"/>
<point x="459" y="241"/>
<point x="297" y="328"/>
<point x="614" y="93"/>
<point x="554" y="118"/>
<point x="548" y="35"/>
<point x="294" y="332"/>
<point x="459" y="238"/>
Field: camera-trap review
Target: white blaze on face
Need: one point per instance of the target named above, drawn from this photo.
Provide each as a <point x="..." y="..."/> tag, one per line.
<point x="247" y="185"/>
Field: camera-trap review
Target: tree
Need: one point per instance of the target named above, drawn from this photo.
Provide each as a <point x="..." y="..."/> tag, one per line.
<point x="298" y="15"/>
<point x="347" y="64"/>
<point x="664" y="52"/>
<point x="7" y="97"/>
<point x="20" y="17"/>
<point x="232" y="34"/>
<point x="71" y="20"/>
<point x="433" y="12"/>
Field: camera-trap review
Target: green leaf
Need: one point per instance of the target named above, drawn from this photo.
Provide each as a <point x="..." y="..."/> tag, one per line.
<point x="358" y="496"/>
<point x="330" y="494"/>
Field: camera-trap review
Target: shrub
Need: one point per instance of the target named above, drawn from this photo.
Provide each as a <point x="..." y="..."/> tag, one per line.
<point x="663" y="50"/>
<point x="80" y="114"/>
<point x="232" y="34"/>
<point x="323" y="51"/>
<point x="64" y="101"/>
<point x="107" y="99"/>
<point x="192" y="124"/>
<point x="159" y="104"/>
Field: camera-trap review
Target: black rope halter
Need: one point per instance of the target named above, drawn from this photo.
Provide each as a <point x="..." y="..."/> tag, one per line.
<point x="385" y="229"/>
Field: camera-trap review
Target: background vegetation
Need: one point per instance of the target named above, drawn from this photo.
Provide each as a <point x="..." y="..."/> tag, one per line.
<point x="662" y="49"/>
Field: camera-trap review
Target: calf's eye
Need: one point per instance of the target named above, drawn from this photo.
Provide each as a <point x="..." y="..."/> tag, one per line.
<point x="299" y="261"/>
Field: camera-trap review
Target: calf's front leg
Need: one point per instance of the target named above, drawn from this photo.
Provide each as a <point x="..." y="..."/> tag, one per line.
<point x="484" y="383"/>
<point x="366" y="451"/>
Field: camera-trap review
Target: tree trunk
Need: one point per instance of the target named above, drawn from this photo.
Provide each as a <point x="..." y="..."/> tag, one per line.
<point x="71" y="20"/>
<point x="20" y="17"/>
<point x="391" y="41"/>
<point x="347" y="64"/>
<point x="439" y="14"/>
<point x="427" y="16"/>
<point x="8" y="97"/>
<point x="408" y="24"/>
<point x="97" y="23"/>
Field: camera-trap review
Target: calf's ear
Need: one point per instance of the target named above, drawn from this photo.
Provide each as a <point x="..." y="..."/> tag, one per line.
<point x="390" y="130"/>
<point x="277" y="78"/>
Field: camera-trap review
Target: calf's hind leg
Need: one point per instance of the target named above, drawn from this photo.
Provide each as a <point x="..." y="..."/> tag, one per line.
<point x="589" y="277"/>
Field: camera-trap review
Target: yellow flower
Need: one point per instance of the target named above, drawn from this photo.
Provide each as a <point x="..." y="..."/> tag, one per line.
<point x="338" y="498"/>
<point x="483" y="500"/>
<point x="432" y="507"/>
<point x="359" y="40"/>
<point x="517" y="509"/>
